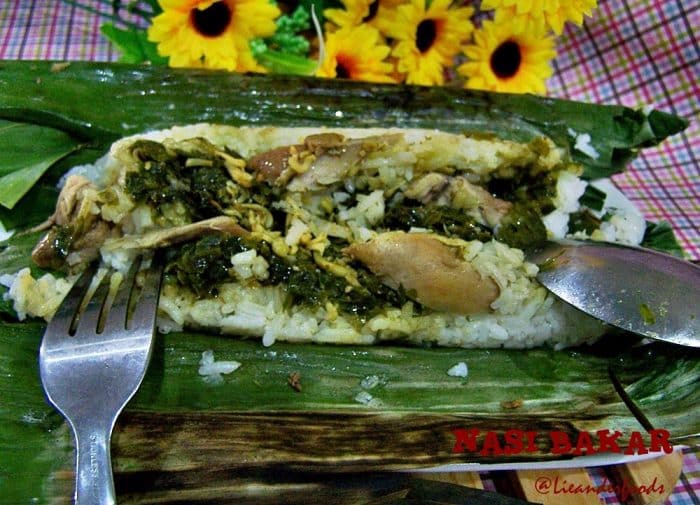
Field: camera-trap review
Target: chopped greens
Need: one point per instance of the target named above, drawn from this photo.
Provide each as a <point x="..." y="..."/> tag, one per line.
<point x="439" y="218"/>
<point x="307" y="284"/>
<point x="522" y="227"/>
<point x="204" y="264"/>
<point x="593" y="198"/>
<point x="583" y="221"/>
<point x="165" y="179"/>
<point x="537" y="191"/>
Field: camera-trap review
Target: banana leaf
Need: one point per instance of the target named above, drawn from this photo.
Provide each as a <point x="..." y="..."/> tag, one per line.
<point x="105" y="101"/>
<point x="182" y="434"/>
<point x="183" y="439"/>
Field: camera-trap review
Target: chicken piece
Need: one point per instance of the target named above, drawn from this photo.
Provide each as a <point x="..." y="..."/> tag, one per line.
<point x="431" y="272"/>
<point x="457" y="192"/>
<point x="335" y="160"/>
<point x="177" y="234"/>
<point x="322" y="159"/>
<point x="466" y="195"/>
<point x="428" y="188"/>
<point x="270" y="165"/>
<point x="76" y="230"/>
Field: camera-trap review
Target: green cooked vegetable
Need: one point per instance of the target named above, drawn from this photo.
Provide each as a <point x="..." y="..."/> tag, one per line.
<point x="202" y="265"/>
<point x="439" y="218"/>
<point x="522" y="227"/>
<point x="593" y="198"/>
<point x="166" y="179"/>
<point x="583" y="221"/>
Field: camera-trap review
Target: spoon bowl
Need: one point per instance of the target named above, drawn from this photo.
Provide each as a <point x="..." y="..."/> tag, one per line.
<point x="639" y="290"/>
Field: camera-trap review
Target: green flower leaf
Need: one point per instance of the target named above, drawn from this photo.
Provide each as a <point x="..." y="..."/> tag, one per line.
<point x="133" y="44"/>
<point x="285" y="63"/>
<point x="27" y="151"/>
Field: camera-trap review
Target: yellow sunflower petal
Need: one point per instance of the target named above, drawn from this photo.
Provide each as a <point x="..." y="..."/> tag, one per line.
<point x="356" y="52"/>
<point x="428" y="38"/>
<point x="212" y="33"/>
<point x="553" y="14"/>
<point x="503" y="58"/>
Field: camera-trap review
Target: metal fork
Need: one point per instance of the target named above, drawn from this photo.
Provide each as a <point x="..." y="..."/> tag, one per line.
<point x="92" y="359"/>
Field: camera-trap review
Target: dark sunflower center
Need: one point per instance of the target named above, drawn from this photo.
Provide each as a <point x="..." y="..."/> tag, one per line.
<point x="373" y="8"/>
<point x="425" y="35"/>
<point x="212" y="21"/>
<point x="341" y="70"/>
<point x="505" y="60"/>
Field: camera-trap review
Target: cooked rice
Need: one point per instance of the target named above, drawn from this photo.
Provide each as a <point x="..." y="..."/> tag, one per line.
<point x="523" y="315"/>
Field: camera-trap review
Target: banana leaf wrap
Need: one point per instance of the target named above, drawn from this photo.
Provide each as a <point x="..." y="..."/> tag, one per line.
<point x="105" y="101"/>
<point x="181" y="434"/>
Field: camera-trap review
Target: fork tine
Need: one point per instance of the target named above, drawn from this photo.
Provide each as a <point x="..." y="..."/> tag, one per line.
<point x="88" y="318"/>
<point x="143" y="315"/>
<point x="60" y="324"/>
<point x="116" y="320"/>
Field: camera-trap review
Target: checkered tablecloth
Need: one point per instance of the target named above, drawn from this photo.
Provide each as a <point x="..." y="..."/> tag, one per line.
<point x="645" y="52"/>
<point x="635" y="53"/>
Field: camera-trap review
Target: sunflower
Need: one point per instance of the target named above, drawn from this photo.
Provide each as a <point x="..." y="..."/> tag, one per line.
<point x="427" y="39"/>
<point x="356" y="52"/>
<point x="508" y="59"/>
<point x="531" y="13"/>
<point x="375" y="13"/>
<point x="213" y="34"/>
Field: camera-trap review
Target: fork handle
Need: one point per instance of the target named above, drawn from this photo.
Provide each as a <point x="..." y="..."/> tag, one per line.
<point x="94" y="484"/>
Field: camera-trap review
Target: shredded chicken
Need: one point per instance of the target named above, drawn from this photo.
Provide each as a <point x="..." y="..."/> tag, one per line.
<point x="430" y="271"/>
<point x="169" y="236"/>
<point x="459" y="193"/>
<point x="76" y="212"/>
<point x="322" y="159"/>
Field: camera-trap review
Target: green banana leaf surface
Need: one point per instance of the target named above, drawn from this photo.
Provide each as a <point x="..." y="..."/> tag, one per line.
<point x="300" y="408"/>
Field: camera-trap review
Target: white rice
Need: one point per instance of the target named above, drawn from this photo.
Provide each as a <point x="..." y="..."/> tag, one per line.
<point x="523" y="315"/>
<point x="5" y="234"/>
<point x="459" y="370"/>
<point x="212" y="370"/>
<point x="367" y="399"/>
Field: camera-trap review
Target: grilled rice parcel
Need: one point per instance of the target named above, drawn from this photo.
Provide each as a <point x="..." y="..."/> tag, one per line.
<point x="331" y="235"/>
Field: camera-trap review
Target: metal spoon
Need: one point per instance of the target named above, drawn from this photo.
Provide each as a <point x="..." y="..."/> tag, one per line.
<point x="639" y="290"/>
